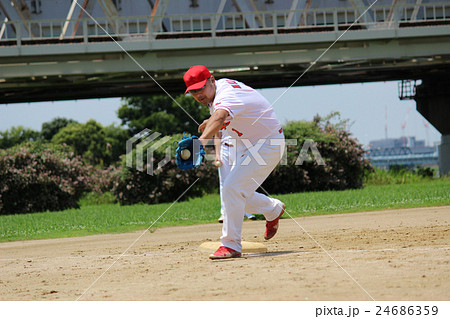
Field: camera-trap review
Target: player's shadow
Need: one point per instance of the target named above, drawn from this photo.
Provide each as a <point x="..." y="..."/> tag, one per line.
<point x="270" y="254"/>
<point x="260" y="255"/>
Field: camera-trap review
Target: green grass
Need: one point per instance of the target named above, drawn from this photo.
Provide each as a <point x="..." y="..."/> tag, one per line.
<point x="400" y="176"/>
<point x="373" y="197"/>
<point x="112" y="218"/>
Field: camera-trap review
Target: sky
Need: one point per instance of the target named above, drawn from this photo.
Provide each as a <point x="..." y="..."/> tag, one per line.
<point x="364" y="104"/>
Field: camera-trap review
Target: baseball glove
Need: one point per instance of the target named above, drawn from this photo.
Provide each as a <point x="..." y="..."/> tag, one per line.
<point x="196" y="151"/>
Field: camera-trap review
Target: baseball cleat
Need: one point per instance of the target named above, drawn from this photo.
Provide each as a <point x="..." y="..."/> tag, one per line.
<point x="272" y="226"/>
<point x="220" y="220"/>
<point x="225" y="253"/>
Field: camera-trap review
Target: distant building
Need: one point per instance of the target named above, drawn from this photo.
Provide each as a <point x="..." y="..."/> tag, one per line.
<point x="404" y="151"/>
<point x="405" y="141"/>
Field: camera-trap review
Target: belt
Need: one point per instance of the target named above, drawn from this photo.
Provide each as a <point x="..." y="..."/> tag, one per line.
<point x="229" y="145"/>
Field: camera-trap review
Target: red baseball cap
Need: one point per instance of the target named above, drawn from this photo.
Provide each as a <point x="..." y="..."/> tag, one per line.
<point x="196" y="77"/>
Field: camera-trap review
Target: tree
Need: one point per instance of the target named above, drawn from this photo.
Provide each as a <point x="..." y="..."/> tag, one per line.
<point x="87" y="140"/>
<point x="116" y="139"/>
<point x="162" y="114"/>
<point x="49" y="129"/>
<point x="17" y="135"/>
<point x="97" y="145"/>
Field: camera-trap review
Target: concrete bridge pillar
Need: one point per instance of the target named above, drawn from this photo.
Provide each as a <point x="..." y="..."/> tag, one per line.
<point x="433" y="102"/>
<point x="444" y="155"/>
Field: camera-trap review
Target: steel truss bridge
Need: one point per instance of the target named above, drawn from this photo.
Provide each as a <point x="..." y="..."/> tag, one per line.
<point x="402" y="156"/>
<point x="58" y="50"/>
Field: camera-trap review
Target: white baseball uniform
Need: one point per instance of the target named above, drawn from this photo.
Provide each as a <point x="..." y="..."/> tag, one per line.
<point x="258" y="145"/>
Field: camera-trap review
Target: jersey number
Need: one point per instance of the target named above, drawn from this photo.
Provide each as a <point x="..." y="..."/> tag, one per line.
<point x="224" y="126"/>
<point x="234" y="84"/>
<point x="237" y="132"/>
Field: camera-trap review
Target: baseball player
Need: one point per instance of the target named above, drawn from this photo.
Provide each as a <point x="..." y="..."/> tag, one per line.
<point x="251" y="122"/>
<point x="223" y="143"/>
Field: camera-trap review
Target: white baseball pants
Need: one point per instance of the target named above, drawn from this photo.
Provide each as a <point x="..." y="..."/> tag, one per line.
<point x="245" y="171"/>
<point x="227" y="159"/>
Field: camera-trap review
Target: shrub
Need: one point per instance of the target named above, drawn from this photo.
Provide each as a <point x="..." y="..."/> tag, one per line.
<point x="167" y="183"/>
<point x="37" y="177"/>
<point x="425" y="172"/>
<point x="344" y="165"/>
<point x="103" y="180"/>
<point x="398" y="175"/>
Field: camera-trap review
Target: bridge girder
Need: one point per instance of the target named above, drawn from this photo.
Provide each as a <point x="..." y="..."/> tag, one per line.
<point x="18" y="10"/>
<point x="159" y="8"/>
<point x="85" y="64"/>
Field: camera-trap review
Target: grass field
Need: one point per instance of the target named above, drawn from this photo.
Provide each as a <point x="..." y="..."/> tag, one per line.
<point x="112" y="218"/>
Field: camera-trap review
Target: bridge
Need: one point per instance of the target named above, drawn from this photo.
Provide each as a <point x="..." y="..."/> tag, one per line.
<point x="402" y="156"/>
<point x="59" y="50"/>
<point x="410" y="160"/>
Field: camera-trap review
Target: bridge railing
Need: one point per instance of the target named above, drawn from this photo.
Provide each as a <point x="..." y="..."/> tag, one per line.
<point x="29" y="32"/>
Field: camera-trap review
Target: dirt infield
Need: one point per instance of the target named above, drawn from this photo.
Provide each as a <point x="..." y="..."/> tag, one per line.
<point x="387" y="255"/>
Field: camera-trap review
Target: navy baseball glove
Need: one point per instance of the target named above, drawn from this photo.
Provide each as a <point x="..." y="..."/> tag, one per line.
<point x="190" y="152"/>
